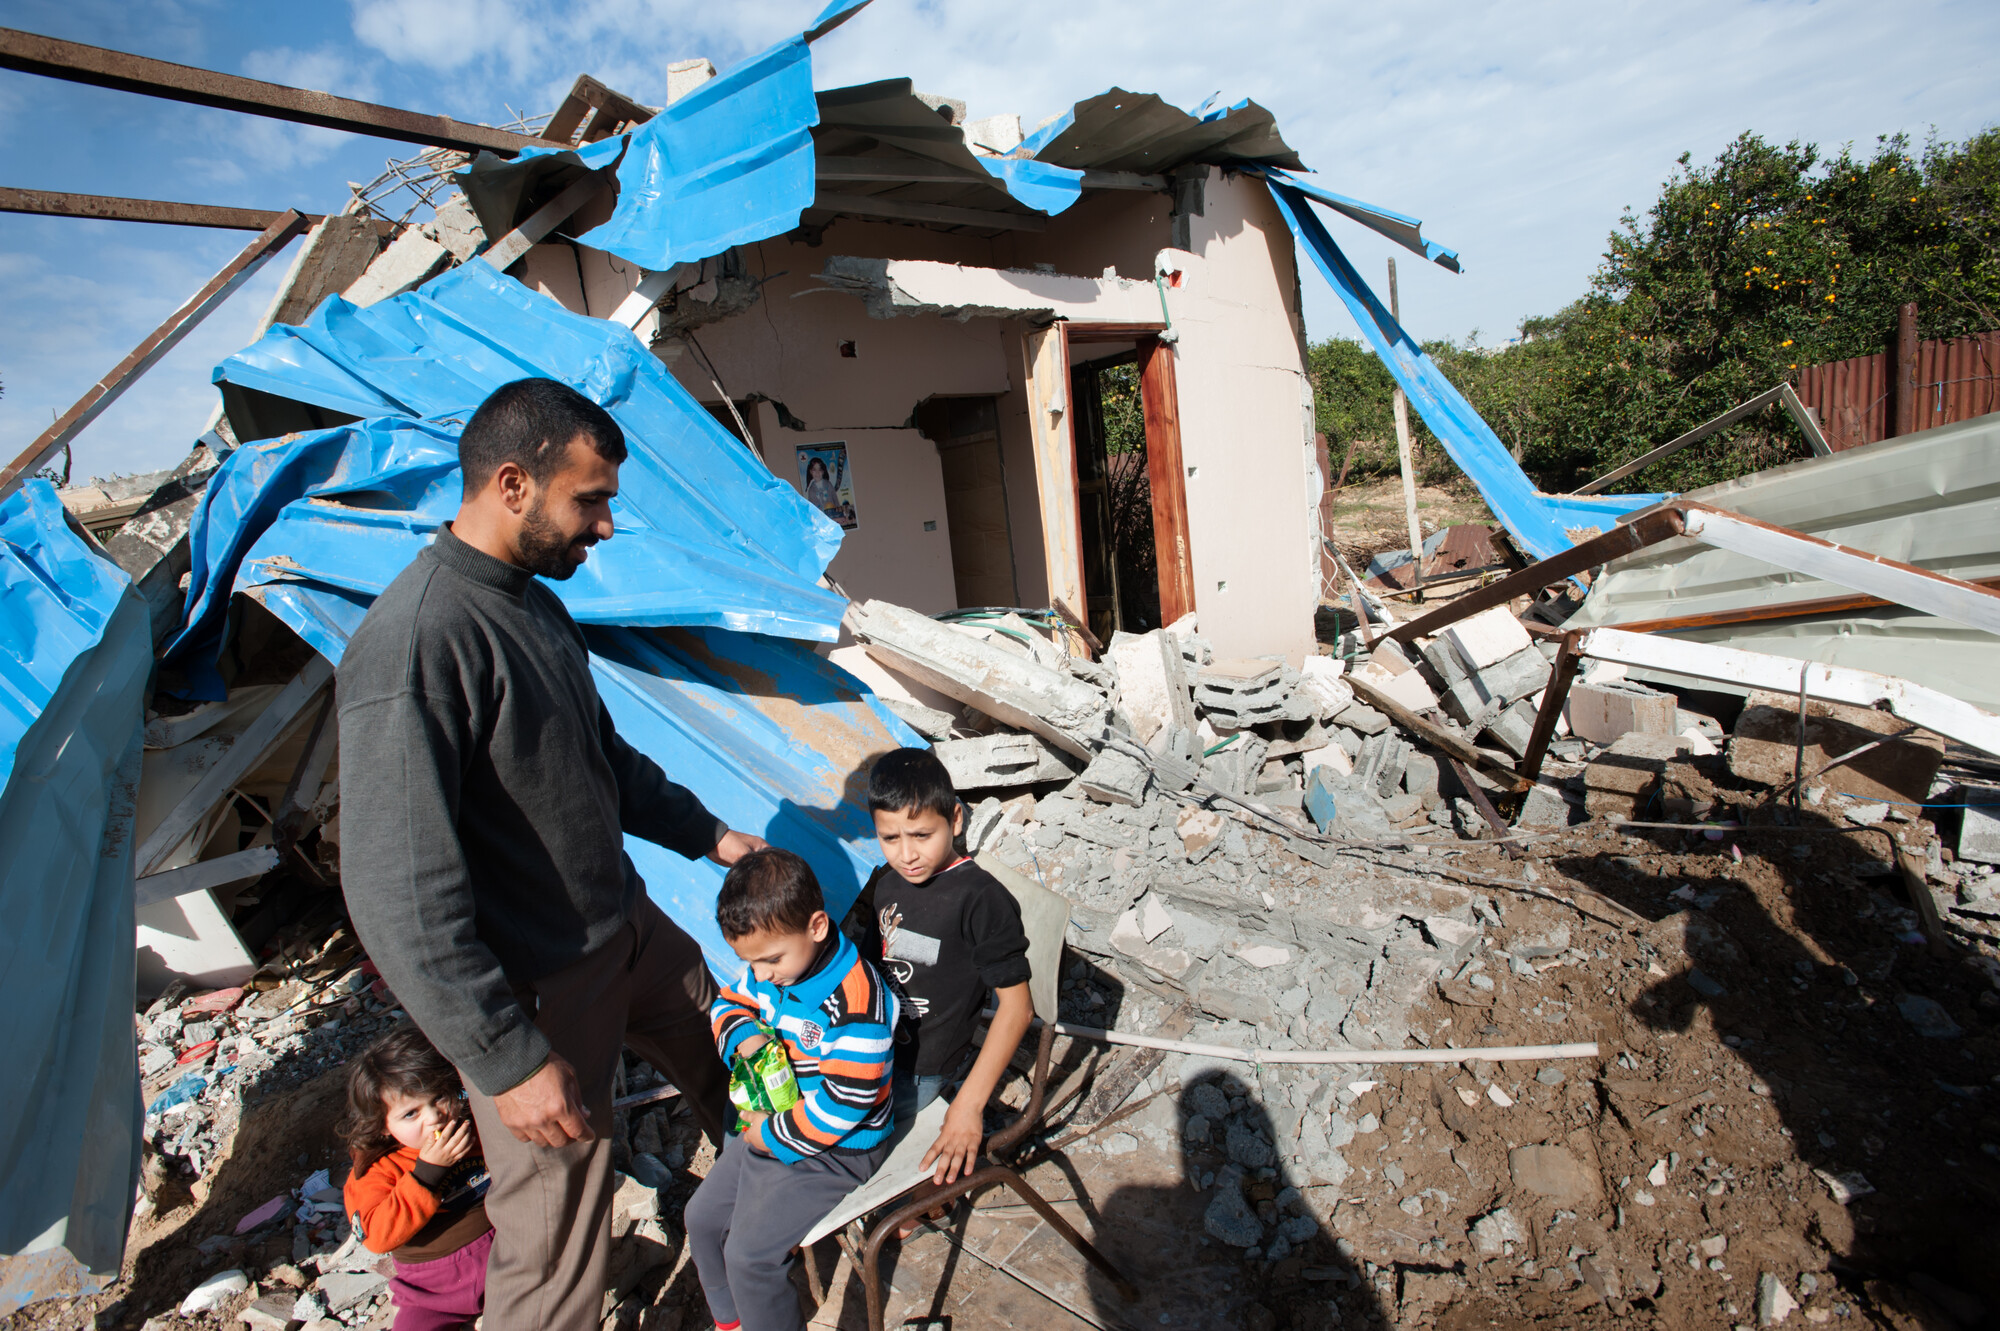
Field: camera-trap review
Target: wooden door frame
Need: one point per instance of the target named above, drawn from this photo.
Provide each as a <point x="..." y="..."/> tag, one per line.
<point x="1166" y="474"/>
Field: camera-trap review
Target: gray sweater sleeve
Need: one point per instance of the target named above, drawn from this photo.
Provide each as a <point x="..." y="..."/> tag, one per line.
<point x="651" y="806"/>
<point x="408" y="889"/>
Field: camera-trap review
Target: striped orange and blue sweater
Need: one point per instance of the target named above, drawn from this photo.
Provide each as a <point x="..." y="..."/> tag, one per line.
<point x="838" y="1025"/>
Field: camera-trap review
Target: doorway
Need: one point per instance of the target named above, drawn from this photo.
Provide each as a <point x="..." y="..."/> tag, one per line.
<point x="1136" y="568"/>
<point x="966" y="431"/>
<point x="1114" y="495"/>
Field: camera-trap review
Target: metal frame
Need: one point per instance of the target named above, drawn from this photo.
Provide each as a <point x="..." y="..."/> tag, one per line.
<point x="997" y="1150"/>
<point x="110" y="208"/>
<point x="162" y="340"/>
<point x="75" y="62"/>
<point x="1967" y="603"/>
<point x="1782" y="393"/>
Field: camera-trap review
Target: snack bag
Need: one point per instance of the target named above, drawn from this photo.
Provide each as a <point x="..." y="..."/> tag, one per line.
<point x="762" y="1083"/>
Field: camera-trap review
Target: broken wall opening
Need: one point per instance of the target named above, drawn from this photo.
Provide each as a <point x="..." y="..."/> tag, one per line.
<point x="972" y="461"/>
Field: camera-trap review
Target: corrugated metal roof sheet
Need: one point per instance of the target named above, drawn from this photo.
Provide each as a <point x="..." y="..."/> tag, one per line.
<point x="1137" y="131"/>
<point x="75" y="655"/>
<point x="1931" y="499"/>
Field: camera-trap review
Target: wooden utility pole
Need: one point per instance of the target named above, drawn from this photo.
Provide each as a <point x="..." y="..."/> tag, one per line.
<point x="1403" y="459"/>
<point x="1903" y="373"/>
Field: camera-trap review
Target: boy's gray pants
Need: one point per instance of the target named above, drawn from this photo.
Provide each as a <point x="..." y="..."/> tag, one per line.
<point x="748" y="1215"/>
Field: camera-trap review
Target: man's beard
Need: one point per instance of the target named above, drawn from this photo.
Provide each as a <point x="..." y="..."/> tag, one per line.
<point x="543" y="548"/>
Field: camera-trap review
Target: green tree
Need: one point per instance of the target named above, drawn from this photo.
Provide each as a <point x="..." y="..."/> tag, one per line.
<point x="1742" y="272"/>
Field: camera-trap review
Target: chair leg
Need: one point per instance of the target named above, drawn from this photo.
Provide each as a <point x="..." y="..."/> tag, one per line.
<point x="813" y="1284"/>
<point x="1021" y="1188"/>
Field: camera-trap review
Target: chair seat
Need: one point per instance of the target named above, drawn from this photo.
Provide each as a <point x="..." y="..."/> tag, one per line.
<point x="903" y="1170"/>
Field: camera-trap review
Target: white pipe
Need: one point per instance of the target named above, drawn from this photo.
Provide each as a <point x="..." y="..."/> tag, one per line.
<point x="1514" y="1053"/>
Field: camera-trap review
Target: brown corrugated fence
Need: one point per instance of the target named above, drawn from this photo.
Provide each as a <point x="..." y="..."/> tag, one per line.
<point x="1956" y="380"/>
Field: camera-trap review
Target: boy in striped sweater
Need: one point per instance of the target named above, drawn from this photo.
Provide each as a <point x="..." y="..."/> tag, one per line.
<point x="803" y="979"/>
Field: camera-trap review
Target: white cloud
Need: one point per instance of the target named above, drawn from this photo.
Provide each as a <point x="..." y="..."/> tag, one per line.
<point x="449" y="34"/>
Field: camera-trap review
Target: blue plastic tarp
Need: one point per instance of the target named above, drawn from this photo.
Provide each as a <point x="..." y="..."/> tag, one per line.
<point x="1405" y="230"/>
<point x="75" y="655"/>
<point x="708" y="535"/>
<point x="1041" y="185"/>
<point x="1540" y="523"/>
<point x="772" y="737"/>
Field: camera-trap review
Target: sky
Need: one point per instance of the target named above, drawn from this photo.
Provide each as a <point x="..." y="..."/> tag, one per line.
<point x="1518" y="133"/>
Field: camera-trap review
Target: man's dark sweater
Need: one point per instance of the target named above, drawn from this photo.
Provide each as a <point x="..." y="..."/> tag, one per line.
<point x="482" y="795"/>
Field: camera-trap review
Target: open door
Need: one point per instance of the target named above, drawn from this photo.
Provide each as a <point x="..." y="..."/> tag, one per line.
<point x="1131" y="498"/>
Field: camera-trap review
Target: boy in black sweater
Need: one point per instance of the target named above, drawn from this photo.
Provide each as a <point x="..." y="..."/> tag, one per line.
<point x="943" y="931"/>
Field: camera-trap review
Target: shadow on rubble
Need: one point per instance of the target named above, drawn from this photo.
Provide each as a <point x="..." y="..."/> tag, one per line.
<point x="279" y="1139"/>
<point x="1878" y="1051"/>
<point x="1234" y="1242"/>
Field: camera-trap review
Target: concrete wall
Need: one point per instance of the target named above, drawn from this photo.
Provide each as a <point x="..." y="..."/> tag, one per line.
<point x="1246" y="422"/>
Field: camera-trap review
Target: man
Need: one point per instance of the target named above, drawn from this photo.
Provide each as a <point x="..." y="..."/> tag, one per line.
<point x="483" y="796"/>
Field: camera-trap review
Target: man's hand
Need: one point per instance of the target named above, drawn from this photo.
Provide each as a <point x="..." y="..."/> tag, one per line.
<point x="734" y="846"/>
<point x="956" y="1149"/>
<point x="449" y="1146"/>
<point x="546" y="1109"/>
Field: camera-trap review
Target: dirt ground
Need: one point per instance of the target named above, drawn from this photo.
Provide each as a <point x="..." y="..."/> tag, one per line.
<point x="1748" y="995"/>
<point x="1368" y="515"/>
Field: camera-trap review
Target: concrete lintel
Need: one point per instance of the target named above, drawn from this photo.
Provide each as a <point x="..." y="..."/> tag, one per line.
<point x="914" y="286"/>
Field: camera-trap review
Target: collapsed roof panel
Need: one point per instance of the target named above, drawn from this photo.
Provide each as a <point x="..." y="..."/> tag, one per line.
<point x="1931" y="499"/>
<point x="710" y="535"/>
<point x="1137" y="131"/>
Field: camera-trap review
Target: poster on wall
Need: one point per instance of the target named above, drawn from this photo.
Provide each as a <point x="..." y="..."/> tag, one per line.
<point x="828" y="484"/>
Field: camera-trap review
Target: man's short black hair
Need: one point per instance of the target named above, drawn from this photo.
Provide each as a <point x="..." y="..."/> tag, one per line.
<point x="530" y="423"/>
<point x="767" y="889"/>
<point x="907" y="780"/>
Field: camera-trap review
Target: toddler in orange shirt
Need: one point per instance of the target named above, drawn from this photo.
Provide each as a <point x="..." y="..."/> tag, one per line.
<point x="417" y="1190"/>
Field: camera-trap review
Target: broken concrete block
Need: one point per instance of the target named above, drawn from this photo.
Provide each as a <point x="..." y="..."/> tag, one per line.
<point x="1220" y="1001"/>
<point x="1513" y="727"/>
<point x="1407" y="689"/>
<point x="1199" y="831"/>
<point x="1128" y="936"/>
<point x="1765" y="745"/>
<point x="1116" y="777"/>
<point x="1443" y="661"/>
<point x="1622" y="781"/>
<point x="926" y="721"/>
<point x="1979" y="835"/>
<point x="1320" y="679"/>
<point x="1063" y="710"/>
<point x="1420" y="778"/>
<point x="1391" y="658"/>
<point x="1487" y="638"/>
<point x="1399" y="809"/>
<point x="1154" y="918"/>
<point x="1492" y="1232"/>
<point x="1242" y="693"/>
<point x="1152" y="685"/>
<point x="1332" y="757"/>
<point x="989" y="761"/>
<point x="411" y="259"/>
<point x="1601" y="713"/>
<point x="456" y="227"/>
<point x="1361" y="717"/>
<point x="1544" y="810"/>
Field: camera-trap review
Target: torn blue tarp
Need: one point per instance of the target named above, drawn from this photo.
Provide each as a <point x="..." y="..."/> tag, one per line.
<point x="1041" y="185"/>
<point x="75" y="654"/>
<point x="709" y="535"/>
<point x="1405" y="230"/>
<point x="729" y="163"/>
<point x="773" y="738"/>
<point x="1542" y="524"/>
